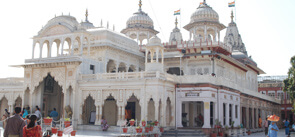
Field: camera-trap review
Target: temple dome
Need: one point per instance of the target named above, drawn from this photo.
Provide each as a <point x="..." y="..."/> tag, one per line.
<point x="140" y="19"/>
<point x="204" y="13"/>
<point x="154" y="41"/>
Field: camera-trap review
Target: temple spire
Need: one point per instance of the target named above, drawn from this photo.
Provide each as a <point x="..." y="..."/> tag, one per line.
<point x="176" y="22"/>
<point x="232" y="16"/>
<point x="140" y="4"/>
<point x="86" y="16"/>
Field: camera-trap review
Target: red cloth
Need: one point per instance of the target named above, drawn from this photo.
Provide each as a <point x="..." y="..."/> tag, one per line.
<point x="32" y="132"/>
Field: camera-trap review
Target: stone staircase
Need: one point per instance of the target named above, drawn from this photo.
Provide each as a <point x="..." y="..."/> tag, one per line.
<point x="183" y="133"/>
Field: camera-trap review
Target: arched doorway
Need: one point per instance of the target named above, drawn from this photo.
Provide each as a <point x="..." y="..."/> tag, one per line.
<point x="3" y="106"/>
<point x="110" y="111"/>
<point x="151" y="110"/>
<point x="18" y="102"/>
<point x="133" y="109"/>
<point x="47" y="96"/>
<point x="89" y="111"/>
<point x="111" y="67"/>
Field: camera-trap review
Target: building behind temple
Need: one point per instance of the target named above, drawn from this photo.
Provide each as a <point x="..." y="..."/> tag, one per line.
<point x="100" y="72"/>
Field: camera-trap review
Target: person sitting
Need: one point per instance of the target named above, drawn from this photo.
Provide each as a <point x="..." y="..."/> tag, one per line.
<point x="32" y="129"/>
<point x="104" y="124"/>
<point x="54" y="116"/>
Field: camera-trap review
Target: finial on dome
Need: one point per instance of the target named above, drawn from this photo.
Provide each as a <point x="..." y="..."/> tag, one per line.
<point x="176" y="22"/>
<point x="140" y="4"/>
<point x="232" y="16"/>
<point x="86" y="15"/>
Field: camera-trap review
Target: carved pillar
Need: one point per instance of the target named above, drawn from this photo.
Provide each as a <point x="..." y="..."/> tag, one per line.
<point x="49" y="49"/>
<point x="88" y="45"/>
<point x="146" y="55"/>
<point x="163" y="115"/>
<point x="156" y="109"/>
<point x="71" y="46"/>
<point x="82" y="42"/>
<point x="119" y="115"/>
<point x="227" y="114"/>
<point x="62" y="48"/>
<point x="33" y="50"/>
<point x="80" y="120"/>
<point x="157" y="55"/>
<point x="97" y="106"/>
<point x="41" y="47"/>
<point x="206" y="115"/>
<point x="179" y="114"/>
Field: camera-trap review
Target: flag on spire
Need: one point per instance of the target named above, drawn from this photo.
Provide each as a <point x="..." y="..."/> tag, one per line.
<point x="177" y="12"/>
<point x="232" y="4"/>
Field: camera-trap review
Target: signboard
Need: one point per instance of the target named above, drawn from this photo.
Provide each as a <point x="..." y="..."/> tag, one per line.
<point x="207" y="105"/>
<point x="192" y="94"/>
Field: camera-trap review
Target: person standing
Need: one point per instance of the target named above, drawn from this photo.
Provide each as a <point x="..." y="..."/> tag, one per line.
<point x="54" y="116"/>
<point x="32" y="130"/>
<point x="25" y="113"/>
<point x="265" y="125"/>
<point x="260" y="122"/>
<point x="286" y="124"/>
<point x="15" y="124"/>
<point x="38" y="114"/>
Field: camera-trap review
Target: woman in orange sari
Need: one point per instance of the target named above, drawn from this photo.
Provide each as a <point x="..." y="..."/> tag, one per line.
<point x="32" y="129"/>
<point x="259" y="122"/>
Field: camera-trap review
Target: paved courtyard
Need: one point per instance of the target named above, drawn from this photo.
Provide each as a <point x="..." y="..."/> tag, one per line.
<point x="88" y="133"/>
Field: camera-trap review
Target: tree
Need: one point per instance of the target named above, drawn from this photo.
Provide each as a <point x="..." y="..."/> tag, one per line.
<point x="289" y="83"/>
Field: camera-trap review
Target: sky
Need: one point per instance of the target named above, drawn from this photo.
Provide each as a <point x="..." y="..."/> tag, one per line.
<point x="266" y="26"/>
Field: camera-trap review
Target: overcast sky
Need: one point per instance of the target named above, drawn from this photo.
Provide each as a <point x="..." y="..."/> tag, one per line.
<point x="266" y="26"/>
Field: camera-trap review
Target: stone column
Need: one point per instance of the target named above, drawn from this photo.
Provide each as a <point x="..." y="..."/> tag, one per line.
<point x="156" y="110"/>
<point x="227" y="114"/>
<point x="215" y="112"/>
<point x="49" y="49"/>
<point x="82" y="42"/>
<point x="146" y="55"/>
<point x="247" y="117"/>
<point x="97" y="106"/>
<point x="123" y="113"/>
<point x="157" y="55"/>
<point x="179" y="114"/>
<point x="206" y="115"/>
<point x="162" y="53"/>
<point x="80" y="120"/>
<point x="233" y="114"/>
<point x="239" y="115"/>
<point x="252" y="118"/>
<point x="100" y="112"/>
<point x="72" y="47"/>
<point x="163" y="115"/>
<point x="33" y="50"/>
<point x="119" y="116"/>
<point x="41" y="47"/>
<point x="62" y="48"/>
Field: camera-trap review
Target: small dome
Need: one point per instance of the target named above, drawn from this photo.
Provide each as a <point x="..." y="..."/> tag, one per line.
<point x="204" y="13"/>
<point x="87" y="25"/>
<point x="154" y="41"/>
<point x="140" y="19"/>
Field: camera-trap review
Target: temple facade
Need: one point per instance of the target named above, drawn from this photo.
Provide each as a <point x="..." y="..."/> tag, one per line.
<point x="97" y="72"/>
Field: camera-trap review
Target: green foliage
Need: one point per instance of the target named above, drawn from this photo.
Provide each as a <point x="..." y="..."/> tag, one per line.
<point x="289" y="83"/>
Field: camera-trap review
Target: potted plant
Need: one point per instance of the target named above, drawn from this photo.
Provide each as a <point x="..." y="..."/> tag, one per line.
<point x="232" y="124"/>
<point x="156" y="123"/>
<point x="147" y="129"/>
<point x="213" y="134"/>
<point x="73" y="133"/>
<point x="138" y="130"/>
<point x="67" y="122"/>
<point x="143" y="123"/>
<point x="47" y="121"/>
<point x="249" y="132"/>
<point x="54" y="130"/>
<point x="161" y="129"/>
<point x="59" y="133"/>
<point x="218" y="126"/>
<point x="131" y="122"/>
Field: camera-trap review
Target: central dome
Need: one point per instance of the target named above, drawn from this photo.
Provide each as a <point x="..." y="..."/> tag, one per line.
<point x="140" y="19"/>
<point x="204" y="13"/>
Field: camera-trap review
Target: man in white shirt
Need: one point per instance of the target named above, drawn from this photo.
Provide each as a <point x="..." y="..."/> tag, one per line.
<point x="38" y="114"/>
